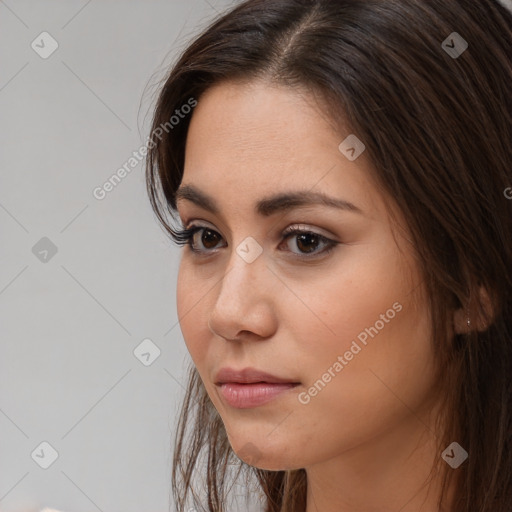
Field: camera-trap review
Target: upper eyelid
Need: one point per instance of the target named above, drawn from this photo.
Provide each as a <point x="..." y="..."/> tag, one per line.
<point x="303" y="227"/>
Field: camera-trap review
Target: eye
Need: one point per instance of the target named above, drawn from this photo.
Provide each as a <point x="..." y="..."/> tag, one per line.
<point x="306" y="241"/>
<point x="209" y="237"/>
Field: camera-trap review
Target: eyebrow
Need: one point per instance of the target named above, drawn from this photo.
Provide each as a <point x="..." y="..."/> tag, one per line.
<point x="267" y="206"/>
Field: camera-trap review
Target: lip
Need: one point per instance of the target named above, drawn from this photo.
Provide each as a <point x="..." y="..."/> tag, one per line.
<point x="247" y="388"/>
<point x="249" y="376"/>
<point x="245" y="396"/>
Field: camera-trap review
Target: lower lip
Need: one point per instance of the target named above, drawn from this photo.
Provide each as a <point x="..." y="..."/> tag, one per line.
<point x="244" y="396"/>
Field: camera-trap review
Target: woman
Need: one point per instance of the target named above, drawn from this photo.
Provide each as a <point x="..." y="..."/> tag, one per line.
<point x="340" y="171"/>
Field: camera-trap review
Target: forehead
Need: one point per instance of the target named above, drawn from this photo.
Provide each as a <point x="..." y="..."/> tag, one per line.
<point x="247" y="141"/>
<point x="258" y="119"/>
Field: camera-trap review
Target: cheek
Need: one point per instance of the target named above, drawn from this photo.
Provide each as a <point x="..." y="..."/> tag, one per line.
<point x="360" y="299"/>
<point x="386" y="370"/>
<point x="377" y="320"/>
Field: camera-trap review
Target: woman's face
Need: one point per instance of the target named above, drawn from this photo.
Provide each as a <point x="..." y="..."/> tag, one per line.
<point x="349" y="326"/>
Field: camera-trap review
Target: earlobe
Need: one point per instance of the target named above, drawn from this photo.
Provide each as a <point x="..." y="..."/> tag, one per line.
<point x="475" y="317"/>
<point x="462" y="321"/>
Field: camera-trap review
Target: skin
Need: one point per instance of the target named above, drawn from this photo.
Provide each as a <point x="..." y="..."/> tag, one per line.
<point x="367" y="439"/>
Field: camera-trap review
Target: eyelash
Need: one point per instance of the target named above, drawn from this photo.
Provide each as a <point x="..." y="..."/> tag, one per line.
<point x="185" y="236"/>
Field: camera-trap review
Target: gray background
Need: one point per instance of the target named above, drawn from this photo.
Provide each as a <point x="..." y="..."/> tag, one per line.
<point x="70" y="323"/>
<point x="69" y="326"/>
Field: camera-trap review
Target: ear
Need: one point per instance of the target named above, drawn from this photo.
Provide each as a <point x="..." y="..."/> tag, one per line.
<point x="480" y="313"/>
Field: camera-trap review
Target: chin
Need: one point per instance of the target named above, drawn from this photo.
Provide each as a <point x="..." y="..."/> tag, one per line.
<point x="268" y="458"/>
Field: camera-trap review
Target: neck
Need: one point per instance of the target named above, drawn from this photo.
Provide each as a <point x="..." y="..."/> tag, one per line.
<point x="387" y="474"/>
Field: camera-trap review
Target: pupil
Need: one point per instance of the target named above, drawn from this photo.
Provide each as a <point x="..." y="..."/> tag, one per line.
<point x="211" y="237"/>
<point x="301" y="238"/>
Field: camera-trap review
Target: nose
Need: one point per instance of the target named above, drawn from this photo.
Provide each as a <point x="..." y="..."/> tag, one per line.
<point x="245" y="303"/>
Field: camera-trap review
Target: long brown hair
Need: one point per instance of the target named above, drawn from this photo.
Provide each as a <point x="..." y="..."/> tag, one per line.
<point x="438" y="129"/>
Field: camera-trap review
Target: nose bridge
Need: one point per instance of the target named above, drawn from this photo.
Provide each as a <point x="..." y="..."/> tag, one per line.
<point x="241" y="294"/>
<point x="244" y="271"/>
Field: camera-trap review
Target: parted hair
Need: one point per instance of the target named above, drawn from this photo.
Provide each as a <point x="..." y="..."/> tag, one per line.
<point x="438" y="131"/>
